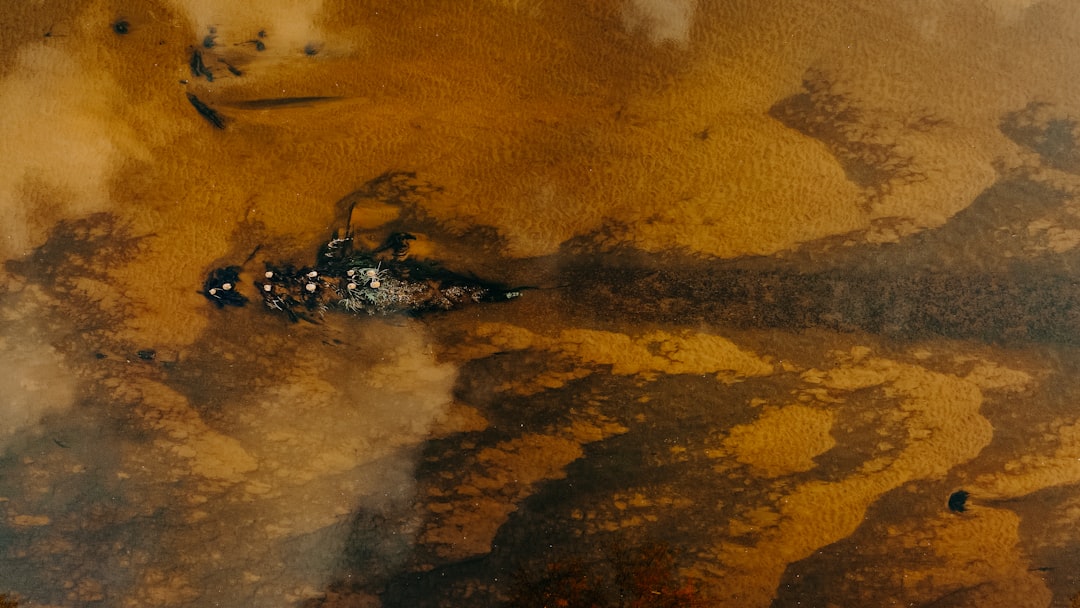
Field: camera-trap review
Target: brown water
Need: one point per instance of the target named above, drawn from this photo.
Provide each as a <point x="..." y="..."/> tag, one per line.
<point x="802" y="273"/>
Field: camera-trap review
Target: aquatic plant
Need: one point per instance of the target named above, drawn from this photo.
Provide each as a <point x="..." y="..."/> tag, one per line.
<point x="357" y="280"/>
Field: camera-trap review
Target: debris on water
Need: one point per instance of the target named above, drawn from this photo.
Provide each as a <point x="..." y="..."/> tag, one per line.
<point x="348" y="278"/>
<point x="366" y="282"/>
<point x="397" y="244"/>
<point x="147" y="354"/>
<point x="198" y="68"/>
<point x="207" y="112"/>
<point x="958" y="501"/>
<point x="271" y="103"/>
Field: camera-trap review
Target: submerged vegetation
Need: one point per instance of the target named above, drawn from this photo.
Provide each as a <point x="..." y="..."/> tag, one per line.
<point x="372" y="283"/>
<point x="349" y="278"/>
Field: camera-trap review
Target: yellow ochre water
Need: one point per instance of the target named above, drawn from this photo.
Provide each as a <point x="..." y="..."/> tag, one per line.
<point x="155" y="450"/>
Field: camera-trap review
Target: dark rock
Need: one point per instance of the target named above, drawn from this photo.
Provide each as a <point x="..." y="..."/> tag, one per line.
<point x="958" y="501"/>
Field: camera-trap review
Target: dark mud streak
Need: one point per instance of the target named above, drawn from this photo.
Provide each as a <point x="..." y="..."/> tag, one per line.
<point x="969" y="279"/>
<point x="861" y="424"/>
<point x="988" y="236"/>
<point x="989" y="307"/>
<point x="77" y="248"/>
<point x="198" y="66"/>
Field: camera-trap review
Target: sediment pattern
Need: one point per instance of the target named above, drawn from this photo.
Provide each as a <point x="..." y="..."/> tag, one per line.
<point x="801" y="285"/>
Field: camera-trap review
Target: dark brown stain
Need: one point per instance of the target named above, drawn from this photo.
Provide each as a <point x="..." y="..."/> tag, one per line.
<point x="631" y="575"/>
<point x="399" y="188"/>
<point x="91" y="511"/>
<point x="77" y="250"/>
<point x="1049" y="131"/>
<point x="992" y="307"/>
<point x="851" y="134"/>
<point x="971" y="279"/>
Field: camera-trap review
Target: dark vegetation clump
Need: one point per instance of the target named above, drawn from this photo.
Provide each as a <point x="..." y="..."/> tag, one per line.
<point x="220" y="287"/>
<point x="351" y="278"/>
<point x="198" y="67"/>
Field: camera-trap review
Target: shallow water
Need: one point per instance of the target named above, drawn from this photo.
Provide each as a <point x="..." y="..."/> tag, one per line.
<point x="797" y="275"/>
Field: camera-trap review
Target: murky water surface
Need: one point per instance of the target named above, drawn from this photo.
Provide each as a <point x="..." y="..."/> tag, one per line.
<point x="800" y="324"/>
